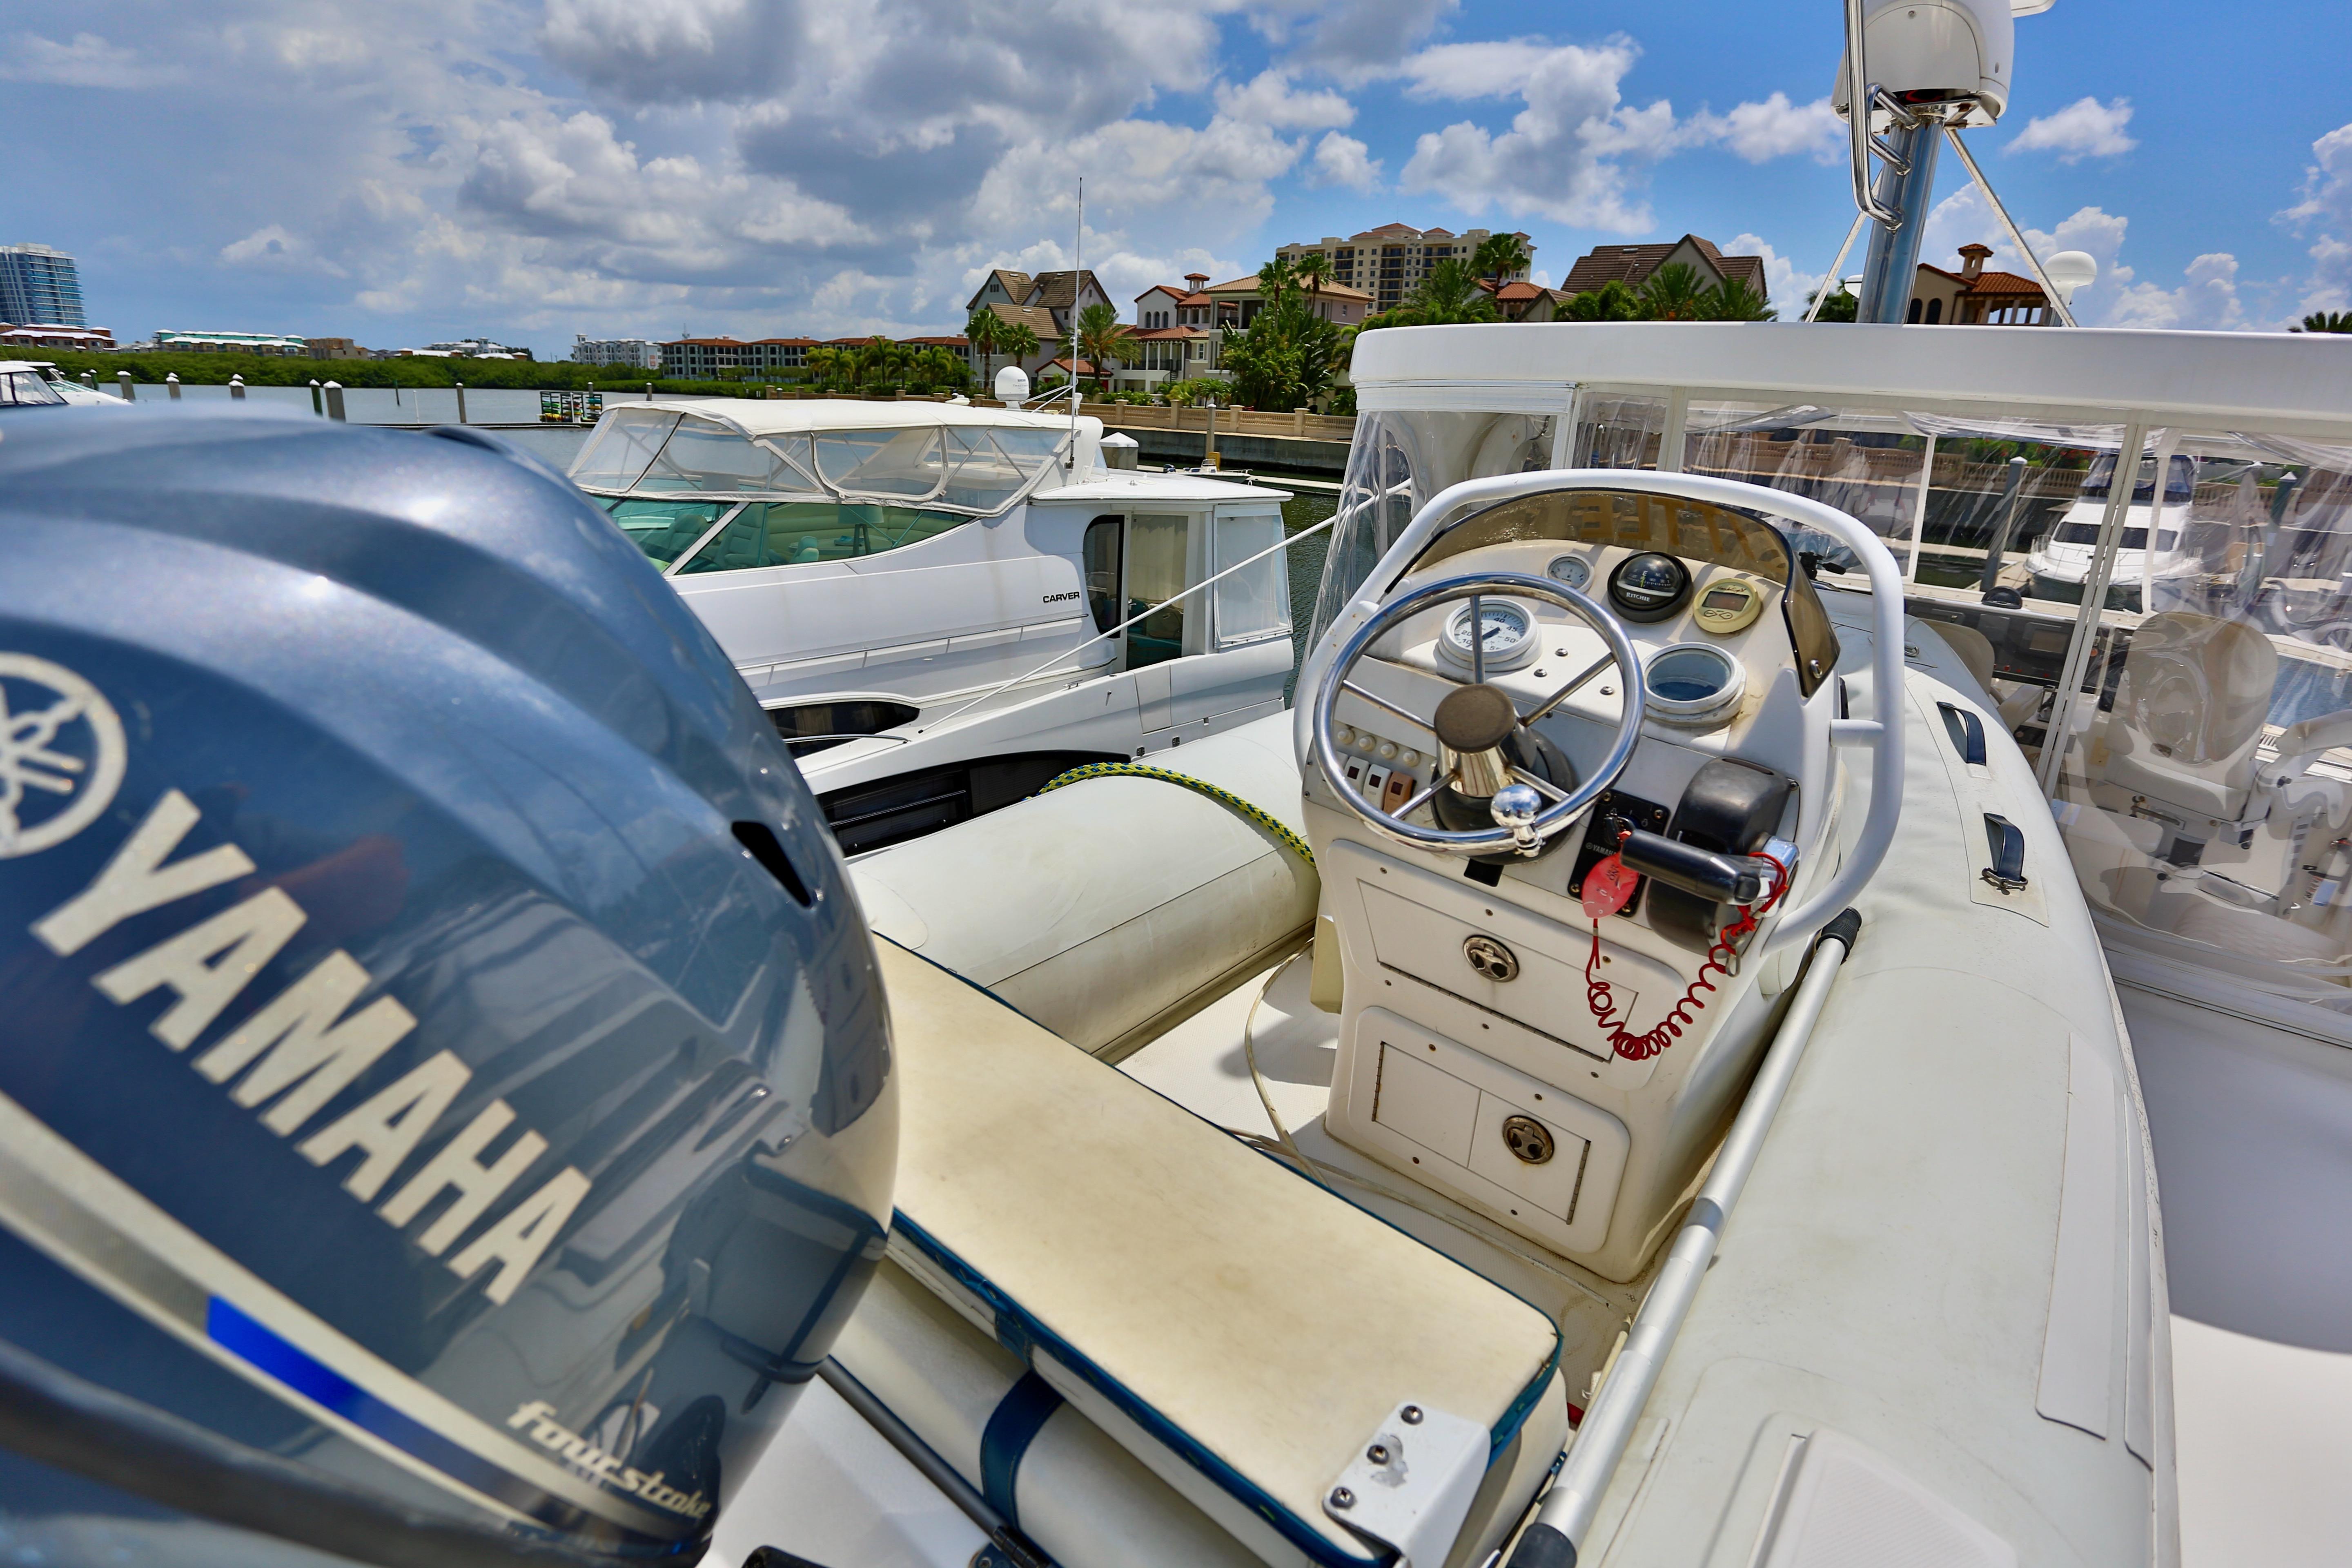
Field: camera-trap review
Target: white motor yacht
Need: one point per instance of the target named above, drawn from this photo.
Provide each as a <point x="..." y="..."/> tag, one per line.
<point x="2150" y="545"/>
<point x="943" y="606"/>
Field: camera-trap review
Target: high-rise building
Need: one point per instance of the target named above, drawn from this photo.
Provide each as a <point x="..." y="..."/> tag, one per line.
<point x="1388" y="261"/>
<point x="39" y="286"/>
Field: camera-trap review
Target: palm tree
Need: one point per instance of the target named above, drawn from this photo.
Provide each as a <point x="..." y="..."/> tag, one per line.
<point x="2326" y="322"/>
<point x="1840" y="306"/>
<point x="1100" y="338"/>
<point x="1736" y="301"/>
<point x="984" y="329"/>
<point x="1673" y="293"/>
<point x="1499" y="255"/>
<point x="1314" y="270"/>
<point x="1449" y="293"/>
<point x="1612" y="302"/>
<point x="936" y="367"/>
<point x="1276" y="280"/>
<point x="1017" y="341"/>
<point x="826" y="364"/>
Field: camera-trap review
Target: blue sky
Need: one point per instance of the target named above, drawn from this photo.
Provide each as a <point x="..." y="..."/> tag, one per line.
<point x="530" y="169"/>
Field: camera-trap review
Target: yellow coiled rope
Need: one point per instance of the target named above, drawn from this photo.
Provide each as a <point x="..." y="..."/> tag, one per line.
<point x="1225" y="798"/>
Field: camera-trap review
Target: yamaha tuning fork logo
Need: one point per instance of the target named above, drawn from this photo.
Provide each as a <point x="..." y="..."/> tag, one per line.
<point x="61" y="754"/>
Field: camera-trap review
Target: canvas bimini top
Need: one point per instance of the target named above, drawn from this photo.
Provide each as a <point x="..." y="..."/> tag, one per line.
<point x="942" y="455"/>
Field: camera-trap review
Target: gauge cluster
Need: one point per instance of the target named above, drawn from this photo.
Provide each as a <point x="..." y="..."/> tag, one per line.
<point x="1708" y="645"/>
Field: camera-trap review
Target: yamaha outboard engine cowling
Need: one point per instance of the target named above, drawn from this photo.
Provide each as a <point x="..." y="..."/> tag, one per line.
<point x="445" y="1093"/>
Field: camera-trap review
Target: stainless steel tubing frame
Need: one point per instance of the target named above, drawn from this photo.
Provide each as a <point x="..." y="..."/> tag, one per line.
<point x="1891" y="268"/>
<point x="1556" y="1535"/>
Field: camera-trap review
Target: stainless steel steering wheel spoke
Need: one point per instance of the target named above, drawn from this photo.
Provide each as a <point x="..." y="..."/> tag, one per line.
<point x="1540" y="787"/>
<point x="1425" y="796"/>
<point x="1377" y="701"/>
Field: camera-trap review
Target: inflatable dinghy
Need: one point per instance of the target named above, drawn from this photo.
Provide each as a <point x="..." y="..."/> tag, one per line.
<point x="1632" y="1005"/>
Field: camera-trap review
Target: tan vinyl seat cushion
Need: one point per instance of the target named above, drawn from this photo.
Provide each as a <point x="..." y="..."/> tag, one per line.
<point x="1202" y="1287"/>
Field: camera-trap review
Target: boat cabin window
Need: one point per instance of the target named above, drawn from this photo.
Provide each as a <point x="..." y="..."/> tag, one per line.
<point x="1100" y="559"/>
<point x="815" y="726"/>
<point x="2129" y="539"/>
<point x="909" y="463"/>
<point x="2179" y="483"/>
<point x="1158" y="546"/>
<point x="1253" y="604"/>
<point x="623" y="445"/>
<point x="795" y="534"/>
<point x="27" y="387"/>
<point x="665" y="529"/>
<point x="704" y="455"/>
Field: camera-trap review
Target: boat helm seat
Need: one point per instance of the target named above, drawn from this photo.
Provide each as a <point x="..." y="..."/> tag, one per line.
<point x="2188" y="714"/>
<point x="1236" y="1329"/>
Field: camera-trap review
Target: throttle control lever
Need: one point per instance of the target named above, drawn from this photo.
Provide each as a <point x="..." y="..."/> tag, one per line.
<point x="1719" y="879"/>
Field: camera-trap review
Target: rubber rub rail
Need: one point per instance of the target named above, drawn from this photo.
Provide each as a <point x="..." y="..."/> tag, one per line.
<point x="1225" y="798"/>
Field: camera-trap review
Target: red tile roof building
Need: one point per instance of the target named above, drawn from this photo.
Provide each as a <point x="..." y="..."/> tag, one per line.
<point x="1973" y="296"/>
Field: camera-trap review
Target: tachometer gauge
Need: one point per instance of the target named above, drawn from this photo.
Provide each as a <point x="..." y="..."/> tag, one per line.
<point x="1572" y="570"/>
<point x="1507" y="634"/>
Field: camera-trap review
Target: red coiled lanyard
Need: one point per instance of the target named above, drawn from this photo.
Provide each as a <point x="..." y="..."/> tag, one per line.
<point x="1597" y="996"/>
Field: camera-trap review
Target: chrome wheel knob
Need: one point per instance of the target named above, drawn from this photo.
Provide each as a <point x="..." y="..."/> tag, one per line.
<point x="1515" y="808"/>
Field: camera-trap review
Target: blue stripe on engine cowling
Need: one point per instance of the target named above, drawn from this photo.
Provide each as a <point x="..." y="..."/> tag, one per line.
<point x="251" y="1341"/>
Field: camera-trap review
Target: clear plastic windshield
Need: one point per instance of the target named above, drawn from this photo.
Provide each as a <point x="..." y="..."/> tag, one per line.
<point x="1398" y="461"/>
<point x="973" y="471"/>
<point x="2205" y="785"/>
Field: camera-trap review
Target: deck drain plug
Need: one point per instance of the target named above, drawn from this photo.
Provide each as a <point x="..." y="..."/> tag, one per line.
<point x="1529" y="1139"/>
<point x="1491" y="958"/>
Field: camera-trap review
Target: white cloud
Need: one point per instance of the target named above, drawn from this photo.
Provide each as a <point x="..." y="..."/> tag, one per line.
<point x="88" y="61"/>
<point x="2209" y="300"/>
<point x="1785" y="286"/>
<point x="275" y="247"/>
<point x="1575" y="150"/>
<point x="2327" y="204"/>
<point x="1560" y="157"/>
<point x="648" y="51"/>
<point x="1775" y="128"/>
<point x="2084" y="129"/>
<point x="1269" y="99"/>
<point x="2206" y="299"/>
<point x="1354" y="40"/>
<point x="1344" y="161"/>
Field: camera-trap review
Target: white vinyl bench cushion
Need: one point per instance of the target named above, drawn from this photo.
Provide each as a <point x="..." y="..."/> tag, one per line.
<point x="1183" y="1289"/>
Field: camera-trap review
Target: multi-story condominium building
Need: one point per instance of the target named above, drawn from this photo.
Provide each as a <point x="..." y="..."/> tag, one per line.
<point x="40" y="288"/>
<point x="88" y="340"/>
<point x="638" y="353"/>
<point x="1387" y="262"/>
<point x="232" y="343"/>
<point x="694" y="359"/>
<point x="334" y="347"/>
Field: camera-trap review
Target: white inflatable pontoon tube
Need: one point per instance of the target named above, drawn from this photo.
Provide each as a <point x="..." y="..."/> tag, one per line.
<point x="1081" y="1497"/>
<point x="1061" y="907"/>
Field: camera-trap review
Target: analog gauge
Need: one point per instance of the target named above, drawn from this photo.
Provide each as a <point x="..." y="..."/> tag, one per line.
<point x="1649" y="586"/>
<point x="1507" y="634"/>
<point x="1572" y="570"/>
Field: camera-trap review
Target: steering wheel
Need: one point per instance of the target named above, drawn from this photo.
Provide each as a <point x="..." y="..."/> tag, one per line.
<point x="1474" y="721"/>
